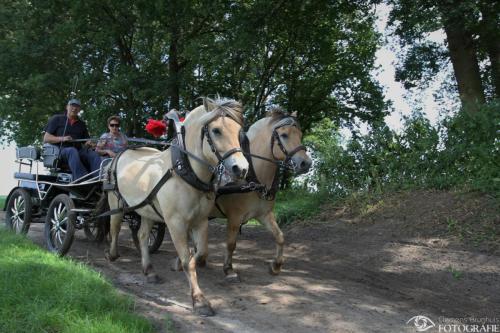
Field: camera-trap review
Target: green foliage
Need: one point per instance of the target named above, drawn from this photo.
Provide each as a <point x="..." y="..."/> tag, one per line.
<point x="2" y="201"/>
<point x="139" y="60"/>
<point x="464" y="151"/>
<point x="469" y="25"/>
<point x="44" y="293"/>
<point x="295" y="205"/>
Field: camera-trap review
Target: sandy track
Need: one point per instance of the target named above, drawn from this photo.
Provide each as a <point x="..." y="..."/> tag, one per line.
<point x="338" y="277"/>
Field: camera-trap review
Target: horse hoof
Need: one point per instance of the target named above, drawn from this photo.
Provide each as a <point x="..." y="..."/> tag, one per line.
<point x="110" y="257"/>
<point x="176" y="265"/>
<point x="274" y="268"/>
<point x="154" y="279"/>
<point x="204" y="310"/>
<point x="232" y="278"/>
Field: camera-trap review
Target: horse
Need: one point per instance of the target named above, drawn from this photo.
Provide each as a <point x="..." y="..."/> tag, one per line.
<point x="184" y="208"/>
<point x="276" y="137"/>
<point x="284" y="146"/>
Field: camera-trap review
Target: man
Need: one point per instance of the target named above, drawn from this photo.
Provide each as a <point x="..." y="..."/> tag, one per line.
<point x="63" y="128"/>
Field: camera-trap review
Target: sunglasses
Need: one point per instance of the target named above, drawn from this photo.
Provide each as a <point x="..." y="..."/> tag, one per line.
<point x="114" y="125"/>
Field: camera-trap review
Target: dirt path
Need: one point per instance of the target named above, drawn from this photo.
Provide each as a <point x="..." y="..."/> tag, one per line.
<point x="338" y="277"/>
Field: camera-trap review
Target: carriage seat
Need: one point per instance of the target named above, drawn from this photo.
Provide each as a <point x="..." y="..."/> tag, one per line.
<point x="51" y="161"/>
<point x="29" y="152"/>
<point x="30" y="176"/>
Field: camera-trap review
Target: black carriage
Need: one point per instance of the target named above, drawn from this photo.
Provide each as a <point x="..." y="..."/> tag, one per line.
<point x="51" y="196"/>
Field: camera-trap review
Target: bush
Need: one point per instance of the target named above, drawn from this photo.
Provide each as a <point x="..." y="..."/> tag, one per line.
<point x="461" y="152"/>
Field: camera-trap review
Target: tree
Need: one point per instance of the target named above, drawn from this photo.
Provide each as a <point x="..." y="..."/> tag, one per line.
<point x="138" y="61"/>
<point x="414" y="20"/>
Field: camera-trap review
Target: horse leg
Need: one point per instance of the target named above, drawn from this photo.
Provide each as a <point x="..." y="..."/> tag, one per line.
<point x="269" y="220"/>
<point x="233" y="226"/>
<point x="201" y="257"/>
<point x="114" y="231"/>
<point x="200" y="239"/>
<point x="179" y="235"/>
<point x="147" y="267"/>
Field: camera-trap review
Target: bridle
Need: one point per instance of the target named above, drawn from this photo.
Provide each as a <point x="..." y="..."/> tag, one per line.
<point x="275" y="138"/>
<point x="220" y="158"/>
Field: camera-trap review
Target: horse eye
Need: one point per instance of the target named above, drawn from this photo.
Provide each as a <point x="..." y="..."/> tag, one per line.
<point x="284" y="136"/>
<point x="216" y="131"/>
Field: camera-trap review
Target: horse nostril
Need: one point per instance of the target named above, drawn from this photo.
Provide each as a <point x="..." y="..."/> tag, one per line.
<point x="305" y="165"/>
<point x="236" y="170"/>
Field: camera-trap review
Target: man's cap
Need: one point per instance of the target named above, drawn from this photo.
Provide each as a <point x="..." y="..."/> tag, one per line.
<point x="74" y="101"/>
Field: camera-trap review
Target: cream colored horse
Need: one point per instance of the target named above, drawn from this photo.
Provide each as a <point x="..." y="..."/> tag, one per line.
<point x="184" y="209"/>
<point x="240" y="208"/>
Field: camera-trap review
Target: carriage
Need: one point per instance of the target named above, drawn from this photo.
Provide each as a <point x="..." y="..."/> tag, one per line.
<point x="50" y="195"/>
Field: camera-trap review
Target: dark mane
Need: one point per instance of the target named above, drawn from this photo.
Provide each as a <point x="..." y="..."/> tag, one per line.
<point x="281" y="118"/>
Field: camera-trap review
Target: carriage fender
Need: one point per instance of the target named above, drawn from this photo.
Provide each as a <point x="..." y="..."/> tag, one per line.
<point x="8" y="198"/>
<point x="10" y="193"/>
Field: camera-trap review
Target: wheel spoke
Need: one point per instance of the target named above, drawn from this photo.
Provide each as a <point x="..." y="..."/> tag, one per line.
<point x="59" y="237"/>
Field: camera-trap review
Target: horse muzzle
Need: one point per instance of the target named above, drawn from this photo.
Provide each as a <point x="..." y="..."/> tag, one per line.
<point x="301" y="164"/>
<point x="237" y="166"/>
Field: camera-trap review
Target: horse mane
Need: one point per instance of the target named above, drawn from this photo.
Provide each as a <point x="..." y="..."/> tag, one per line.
<point x="281" y="118"/>
<point x="222" y="107"/>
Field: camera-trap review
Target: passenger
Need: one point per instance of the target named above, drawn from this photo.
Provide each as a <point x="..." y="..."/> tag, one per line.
<point x="61" y="130"/>
<point x="114" y="141"/>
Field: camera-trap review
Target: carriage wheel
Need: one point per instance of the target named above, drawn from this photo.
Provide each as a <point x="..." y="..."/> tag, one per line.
<point x="155" y="236"/>
<point x="18" y="211"/>
<point x="95" y="231"/>
<point x="60" y="224"/>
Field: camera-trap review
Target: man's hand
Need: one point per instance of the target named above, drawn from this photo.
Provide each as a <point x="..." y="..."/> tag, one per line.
<point x="66" y="138"/>
<point x="110" y="153"/>
<point x="90" y="144"/>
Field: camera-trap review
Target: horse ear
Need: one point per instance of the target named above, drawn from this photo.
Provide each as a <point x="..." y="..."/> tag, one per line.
<point x="294" y="114"/>
<point x="208" y="104"/>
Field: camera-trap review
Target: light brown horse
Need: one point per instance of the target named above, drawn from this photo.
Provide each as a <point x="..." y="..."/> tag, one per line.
<point x="275" y="137"/>
<point x="183" y="208"/>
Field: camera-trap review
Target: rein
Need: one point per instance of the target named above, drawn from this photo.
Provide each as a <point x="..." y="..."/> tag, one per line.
<point x="253" y="184"/>
<point x="180" y="165"/>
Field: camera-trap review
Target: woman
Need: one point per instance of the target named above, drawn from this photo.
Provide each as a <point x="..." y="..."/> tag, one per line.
<point x="114" y="141"/>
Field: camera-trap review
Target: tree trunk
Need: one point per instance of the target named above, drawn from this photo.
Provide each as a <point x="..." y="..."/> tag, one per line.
<point x="174" y="69"/>
<point x="465" y="65"/>
<point x="490" y="37"/>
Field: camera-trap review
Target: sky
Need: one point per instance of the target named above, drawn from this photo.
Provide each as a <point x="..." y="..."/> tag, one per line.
<point x="394" y="91"/>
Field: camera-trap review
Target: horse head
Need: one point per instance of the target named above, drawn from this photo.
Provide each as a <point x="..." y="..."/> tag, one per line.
<point x="286" y="141"/>
<point x="220" y="123"/>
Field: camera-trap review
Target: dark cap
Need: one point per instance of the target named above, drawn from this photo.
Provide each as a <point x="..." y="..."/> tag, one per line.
<point x="74" y="101"/>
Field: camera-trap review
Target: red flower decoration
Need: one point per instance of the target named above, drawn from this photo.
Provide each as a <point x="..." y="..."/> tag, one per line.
<point x="156" y="128"/>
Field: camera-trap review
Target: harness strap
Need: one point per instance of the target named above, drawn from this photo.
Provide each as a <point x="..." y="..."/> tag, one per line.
<point x="147" y="201"/>
<point x="183" y="168"/>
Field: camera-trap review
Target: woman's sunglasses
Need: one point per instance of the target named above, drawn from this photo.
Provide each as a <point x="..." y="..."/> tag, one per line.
<point x="114" y="125"/>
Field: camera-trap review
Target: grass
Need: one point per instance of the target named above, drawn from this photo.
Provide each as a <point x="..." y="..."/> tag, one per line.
<point x="2" y="201"/>
<point x="44" y="293"/>
<point x="295" y="204"/>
